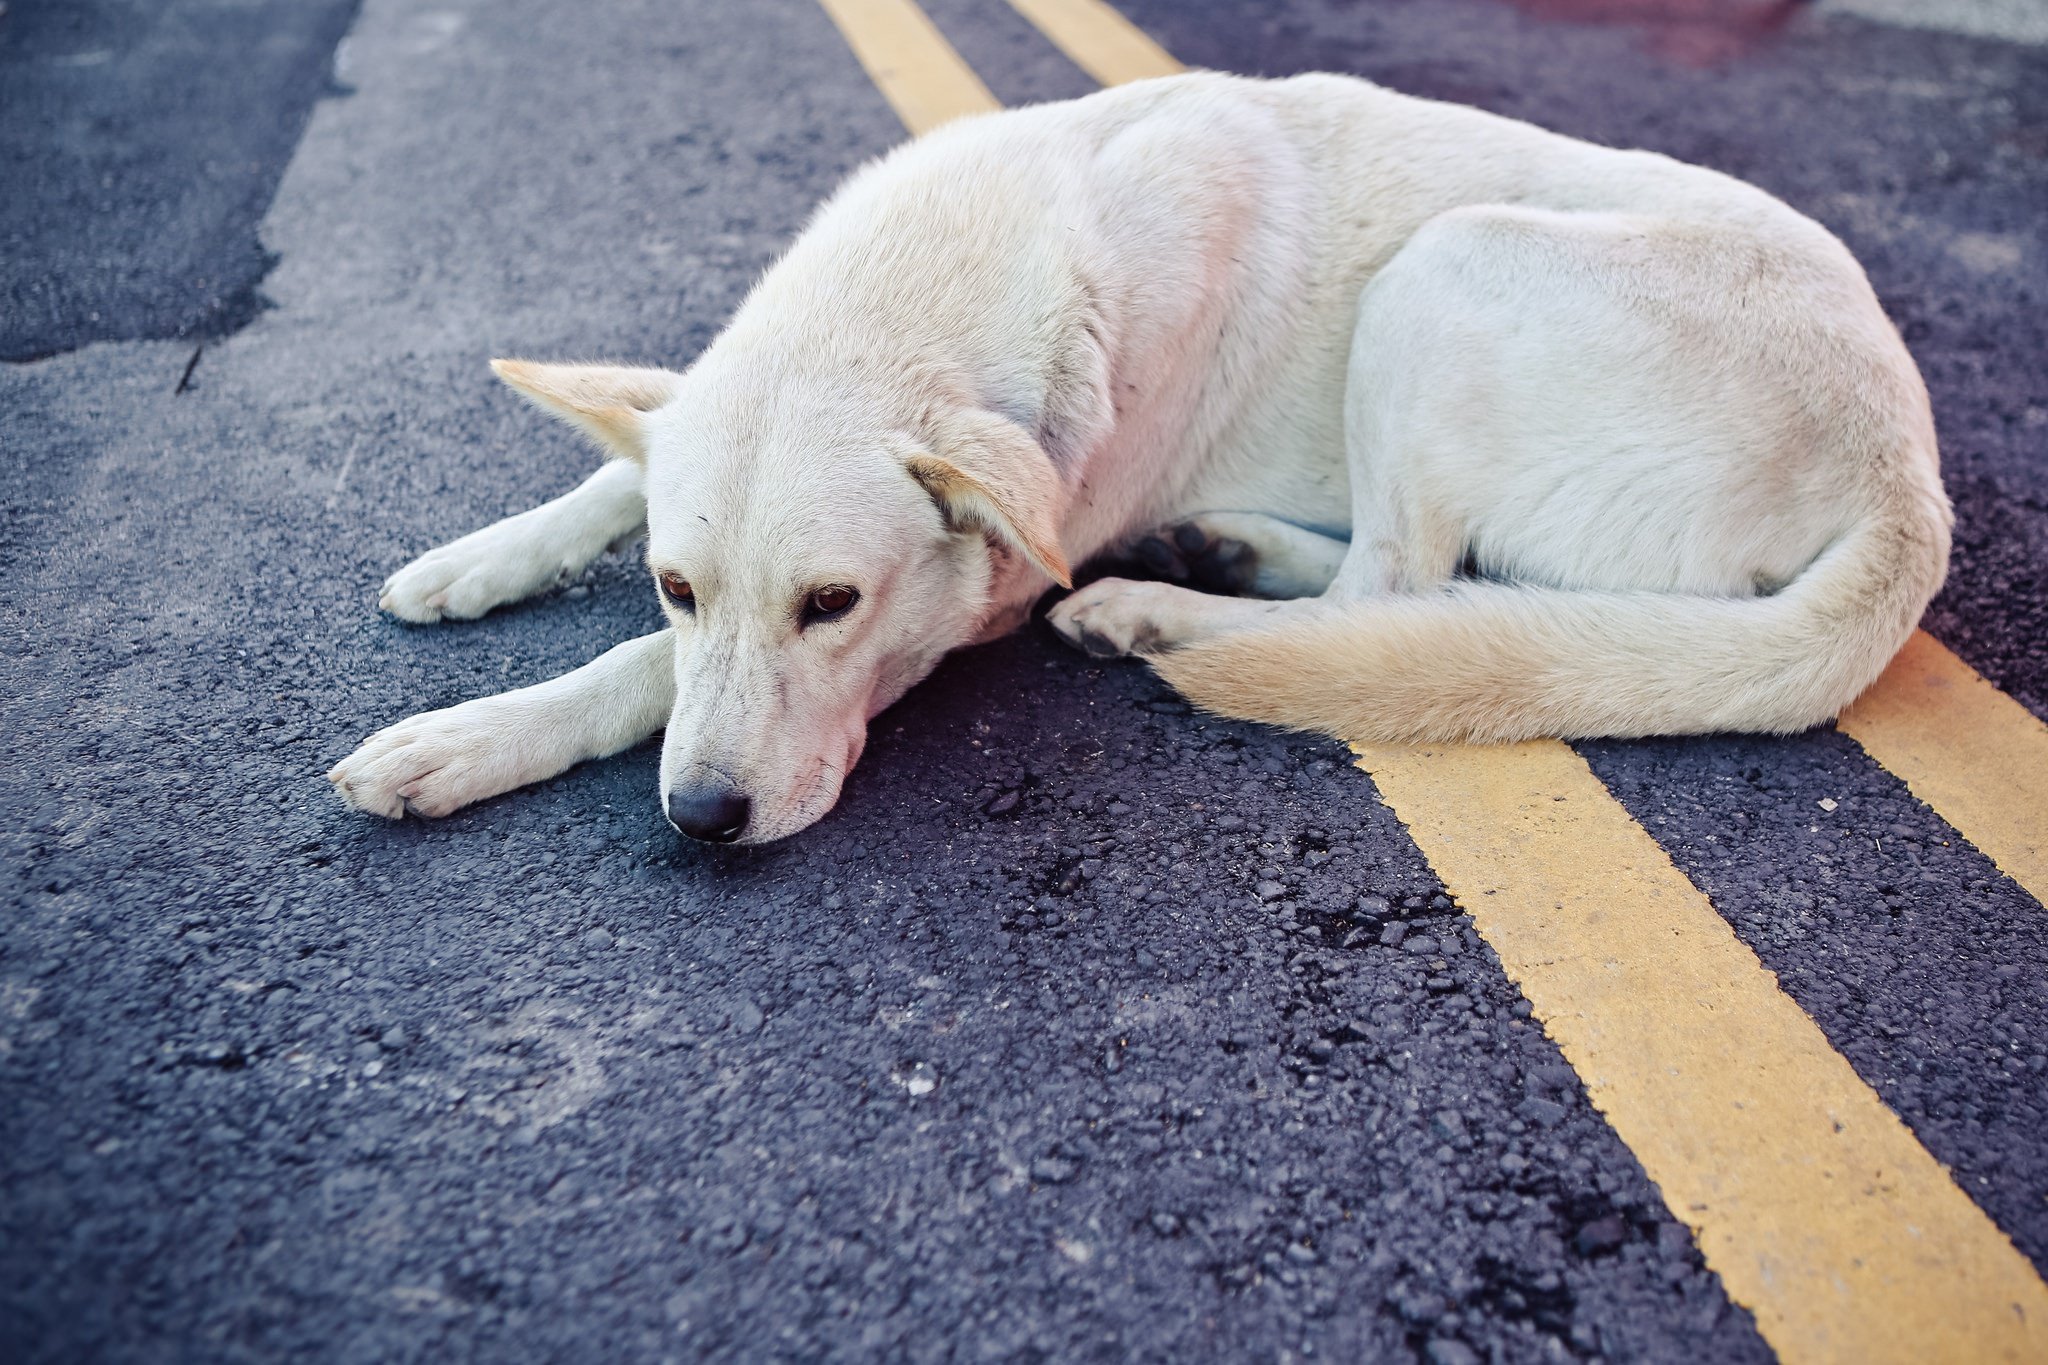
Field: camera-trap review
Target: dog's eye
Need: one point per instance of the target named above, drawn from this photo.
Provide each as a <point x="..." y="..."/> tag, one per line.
<point x="828" y="604"/>
<point x="676" y="589"/>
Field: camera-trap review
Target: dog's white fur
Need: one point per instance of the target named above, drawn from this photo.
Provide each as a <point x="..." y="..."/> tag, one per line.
<point x="1344" y="339"/>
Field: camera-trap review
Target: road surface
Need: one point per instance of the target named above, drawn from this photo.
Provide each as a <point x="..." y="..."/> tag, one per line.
<point x="1084" y="1028"/>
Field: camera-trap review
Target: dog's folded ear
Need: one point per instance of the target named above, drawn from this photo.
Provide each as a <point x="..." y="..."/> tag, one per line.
<point x="604" y="402"/>
<point x="988" y="476"/>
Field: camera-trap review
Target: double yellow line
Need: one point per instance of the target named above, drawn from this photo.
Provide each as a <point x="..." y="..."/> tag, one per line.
<point x="1817" y="1207"/>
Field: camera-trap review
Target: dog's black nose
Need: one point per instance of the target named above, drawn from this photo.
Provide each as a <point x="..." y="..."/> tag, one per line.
<point x="713" y="812"/>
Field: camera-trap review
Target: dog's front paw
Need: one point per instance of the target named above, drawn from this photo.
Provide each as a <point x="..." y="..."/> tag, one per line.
<point x="1115" y="616"/>
<point x="463" y="580"/>
<point x="437" y="762"/>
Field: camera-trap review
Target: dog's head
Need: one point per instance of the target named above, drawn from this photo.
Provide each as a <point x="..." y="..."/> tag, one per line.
<point x="816" y="553"/>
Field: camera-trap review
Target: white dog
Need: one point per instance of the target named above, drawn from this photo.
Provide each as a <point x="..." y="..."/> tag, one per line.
<point x="1508" y="435"/>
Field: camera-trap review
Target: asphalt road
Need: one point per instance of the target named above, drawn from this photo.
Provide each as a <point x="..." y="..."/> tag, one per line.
<point x="1018" y="1054"/>
<point x="140" y="144"/>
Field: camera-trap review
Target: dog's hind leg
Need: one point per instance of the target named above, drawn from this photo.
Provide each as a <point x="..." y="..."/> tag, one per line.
<point x="1243" y="552"/>
<point x="440" y="761"/>
<point x="519" y="556"/>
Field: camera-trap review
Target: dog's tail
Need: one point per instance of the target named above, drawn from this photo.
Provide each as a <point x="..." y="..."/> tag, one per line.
<point x="1492" y="662"/>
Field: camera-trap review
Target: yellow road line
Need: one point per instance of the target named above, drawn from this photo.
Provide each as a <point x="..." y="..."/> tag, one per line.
<point x="1973" y="754"/>
<point x="910" y="62"/>
<point x="1097" y="39"/>
<point x="1817" y="1207"/>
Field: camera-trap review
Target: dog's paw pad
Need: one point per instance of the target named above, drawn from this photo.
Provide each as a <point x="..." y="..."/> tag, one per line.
<point x="1098" y="645"/>
<point x="1190" y="552"/>
<point x="1157" y="556"/>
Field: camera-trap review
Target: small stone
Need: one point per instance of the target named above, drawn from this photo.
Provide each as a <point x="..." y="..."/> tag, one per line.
<point x="917" y="1079"/>
<point x="1422" y="945"/>
<point x="1230" y="824"/>
<point x="1601" y="1237"/>
<point x="1826" y="803"/>
<point x="1450" y="1351"/>
<point x="1054" y="1168"/>
<point x="747" y="1016"/>
<point x="1004" y="803"/>
<point x="1270" y="891"/>
<point x="1372" y="907"/>
<point x="1417" y="1306"/>
<point x="1392" y="935"/>
<point x="599" y="938"/>
<point x="1165" y="1224"/>
<point x="1674" y="1242"/>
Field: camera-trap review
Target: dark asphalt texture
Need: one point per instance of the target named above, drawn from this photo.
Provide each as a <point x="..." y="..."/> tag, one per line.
<point x="1084" y="1028"/>
<point x="140" y="142"/>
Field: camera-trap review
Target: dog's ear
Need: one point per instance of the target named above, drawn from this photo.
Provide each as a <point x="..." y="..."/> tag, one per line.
<point x="988" y="476"/>
<point x="604" y="402"/>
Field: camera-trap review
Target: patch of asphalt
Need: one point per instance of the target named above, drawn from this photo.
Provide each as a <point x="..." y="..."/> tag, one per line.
<point x="1924" y="151"/>
<point x="2019" y="20"/>
<point x="140" y="143"/>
